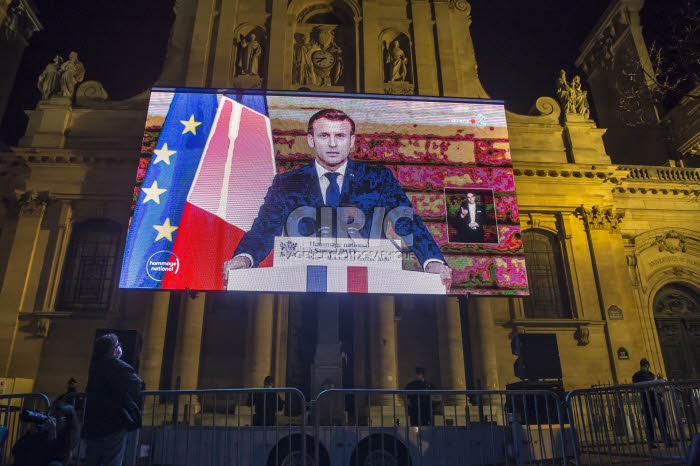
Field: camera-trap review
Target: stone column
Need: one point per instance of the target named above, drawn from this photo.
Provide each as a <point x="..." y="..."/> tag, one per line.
<point x="261" y="313"/>
<point x="480" y="314"/>
<point x="175" y="63"/>
<point x="450" y="348"/>
<point x="260" y="357"/>
<point x="189" y="341"/>
<point x="327" y="371"/>
<point x="187" y="350"/>
<point x="451" y="353"/>
<point x="60" y="251"/>
<point x="154" y="341"/>
<point x="427" y="78"/>
<point x="152" y="353"/>
<point x="18" y="276"/>
<point x="383" y="344"/>
<point x="200" y="45"/>
<point x="384" y="373"/>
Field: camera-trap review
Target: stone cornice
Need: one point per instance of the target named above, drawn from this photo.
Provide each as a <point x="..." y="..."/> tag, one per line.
<point x="625" y="179"/>
<point x="600" y="173"/>
<point x="70" y="156"/>
<point x="672" y="240"/>
<point x="618" y="7"/>
<point x="653" y="180"/>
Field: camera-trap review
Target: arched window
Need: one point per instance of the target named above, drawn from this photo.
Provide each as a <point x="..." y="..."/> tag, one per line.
<point x="549" y="297"/>
<point x="90" y="267"/>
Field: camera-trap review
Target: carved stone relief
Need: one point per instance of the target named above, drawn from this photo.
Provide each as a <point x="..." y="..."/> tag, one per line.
<point x="318" y="56"/>
<point x="601" y="218"/>
<point x="582" y="336"/>
<point x="461" y="5"/>
<point x="32" y="203"/>
<point x="675" y="302"/>
<point x="672" y="242"/>
<point x="18" y="22"/>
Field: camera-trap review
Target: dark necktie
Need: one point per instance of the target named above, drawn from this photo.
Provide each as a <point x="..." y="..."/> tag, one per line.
<point x="332" y="191"/>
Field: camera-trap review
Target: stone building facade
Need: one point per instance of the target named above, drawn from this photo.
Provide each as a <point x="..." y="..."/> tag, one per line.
<point x="613" y="249"/>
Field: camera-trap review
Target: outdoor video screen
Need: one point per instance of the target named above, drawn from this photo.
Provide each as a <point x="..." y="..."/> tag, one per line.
<point x="338" y="193"/>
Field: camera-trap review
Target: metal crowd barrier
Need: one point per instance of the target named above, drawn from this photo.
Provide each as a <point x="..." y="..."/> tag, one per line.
<point x="650" y="423"/>
<point x="438" y="427"/>
<point x="275" y="427"/>
<point x="11" y="407"/>
<point x="222" y="427"/>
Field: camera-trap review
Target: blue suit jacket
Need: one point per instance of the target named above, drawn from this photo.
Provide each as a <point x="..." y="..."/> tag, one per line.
<point x="365" y="187"/>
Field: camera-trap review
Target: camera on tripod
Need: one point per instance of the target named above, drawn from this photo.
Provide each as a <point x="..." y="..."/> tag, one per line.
<point x="35" y="417"/>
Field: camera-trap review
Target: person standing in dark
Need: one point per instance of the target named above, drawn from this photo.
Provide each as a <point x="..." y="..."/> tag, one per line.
<point x="266" y="405"/>
<point x="652" y="404"/>
<point x="420" y="406"/>
<point x="71" y="396"/>
<point x="113" y="403"/>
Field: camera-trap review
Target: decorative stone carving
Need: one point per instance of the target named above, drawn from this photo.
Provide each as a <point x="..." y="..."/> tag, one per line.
<point x="399" y="88"/>
<point x="40" y="327"/>
<point x="572" y="97"/>
<point x="18" y="22"/>
<point x="676" y="304"/>
<point x="600" y="218"/>
<point x="461" y="5"/>
<point x="605" y="47"/>
<point x="90" y="91"/>
<point x="678" y="271"/>
<point x="49" y="79"/>
<point x="32" y="203"/>
<point x="328" y="58"/>
<point x="582" y="336"/>
<point x="72" y="73"/>
<point x="304" y="72"/>
<point x="672" y="242"/>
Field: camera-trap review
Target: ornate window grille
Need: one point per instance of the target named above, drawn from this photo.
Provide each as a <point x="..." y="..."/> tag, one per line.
<point x="549" y="297"/>
<point x="90" y="267"/>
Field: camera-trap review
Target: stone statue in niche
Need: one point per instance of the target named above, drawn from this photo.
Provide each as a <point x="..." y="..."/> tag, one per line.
<point x="304" y="71"/>
<point x="249" y="56"/>
<point x="327" y="59"/>
<point x="572" y="97"/>
<point x="396" y="61"/>
<point x="48" y="82"/>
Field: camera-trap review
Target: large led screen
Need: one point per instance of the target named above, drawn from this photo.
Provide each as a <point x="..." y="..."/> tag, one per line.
<point x="308" y="192"/>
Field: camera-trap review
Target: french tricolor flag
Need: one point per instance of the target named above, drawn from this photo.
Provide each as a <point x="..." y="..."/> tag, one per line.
<point x="213" y="163"/>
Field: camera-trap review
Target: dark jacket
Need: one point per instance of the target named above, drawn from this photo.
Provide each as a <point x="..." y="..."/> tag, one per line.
<point x="266" y="407"/>
<point x="366" y="187"/>
<point x="112" y="387"/>
<point x="35" y="448"/>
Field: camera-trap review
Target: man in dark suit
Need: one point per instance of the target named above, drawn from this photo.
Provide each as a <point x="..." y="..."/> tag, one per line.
<point x="469" y="222"/>
<point x="363" y="196"/>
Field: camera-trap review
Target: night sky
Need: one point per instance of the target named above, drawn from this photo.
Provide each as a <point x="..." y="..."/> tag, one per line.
<point x="520" y="46"/>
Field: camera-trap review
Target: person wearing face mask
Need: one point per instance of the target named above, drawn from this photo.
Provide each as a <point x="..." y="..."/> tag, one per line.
<point x="113" y="403"/>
